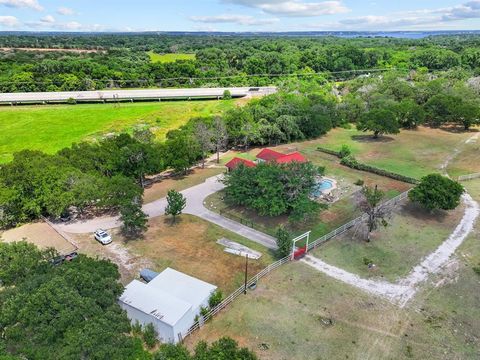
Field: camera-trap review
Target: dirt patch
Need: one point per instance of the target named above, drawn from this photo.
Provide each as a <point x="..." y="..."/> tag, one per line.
<point x="40" y="234"/>
<point x="188" y="246"/>
<point x="76" y="51"/>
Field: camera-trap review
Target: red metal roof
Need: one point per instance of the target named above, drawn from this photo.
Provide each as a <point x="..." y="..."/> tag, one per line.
<point x="296" y="156"/>
<point x="269" y="155"/>
<point x="232" y="164"/>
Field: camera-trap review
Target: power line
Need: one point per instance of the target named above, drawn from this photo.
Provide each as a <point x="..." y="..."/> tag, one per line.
<point x="190" y="79"/>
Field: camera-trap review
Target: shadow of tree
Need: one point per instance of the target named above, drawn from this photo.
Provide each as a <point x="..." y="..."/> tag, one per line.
<point x="371" y="139"/>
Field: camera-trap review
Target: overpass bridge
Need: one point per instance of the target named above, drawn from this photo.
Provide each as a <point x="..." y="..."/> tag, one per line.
<point x="130" y="95"/>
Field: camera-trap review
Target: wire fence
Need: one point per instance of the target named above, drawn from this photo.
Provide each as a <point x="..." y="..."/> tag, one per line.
<point x="254" y="280"/>
<point x="246" y="222"/>
<point x="469" y="177"/>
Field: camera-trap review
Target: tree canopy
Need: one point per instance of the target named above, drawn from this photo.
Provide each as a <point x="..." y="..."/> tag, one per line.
<point x="437" y="192"/>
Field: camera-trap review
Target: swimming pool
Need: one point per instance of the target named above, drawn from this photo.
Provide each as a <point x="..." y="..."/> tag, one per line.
<point x="323" y="186"/>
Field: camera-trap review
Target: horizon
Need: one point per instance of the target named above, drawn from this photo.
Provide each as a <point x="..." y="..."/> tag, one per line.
<point x="239" y="16"/>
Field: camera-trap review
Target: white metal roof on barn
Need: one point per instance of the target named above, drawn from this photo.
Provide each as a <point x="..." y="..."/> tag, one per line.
<point x="169" y="296"/>
<point x="155" y="302"/>
<point x="183" y="286"/>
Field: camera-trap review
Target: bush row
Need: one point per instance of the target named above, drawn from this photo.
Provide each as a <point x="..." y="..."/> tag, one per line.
<point x="330" y="152"/>
<point x="351" y="162"/>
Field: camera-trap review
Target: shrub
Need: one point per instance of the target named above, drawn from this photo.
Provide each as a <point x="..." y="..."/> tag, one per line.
<point x="284" y="242"/>
<point x="367" y="261"/>
<point x="215" y="299"/>
<point x="71" y="101"/>
<point x="359" y="182"/>
<point x="227" y="95"/>
<point x="345" y="151"/>
<point x="150" y="335"/>
<point x="204" y="310"/>
<point x="137" y="328"/>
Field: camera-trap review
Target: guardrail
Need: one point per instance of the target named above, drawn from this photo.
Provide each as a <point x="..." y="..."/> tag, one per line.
<point x="468" y="177"/>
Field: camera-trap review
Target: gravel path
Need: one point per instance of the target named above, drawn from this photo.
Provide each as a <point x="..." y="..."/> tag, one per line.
<point x="405" y="289"/>
<point x="402" y="291"/>
<point x="195" y="206"/>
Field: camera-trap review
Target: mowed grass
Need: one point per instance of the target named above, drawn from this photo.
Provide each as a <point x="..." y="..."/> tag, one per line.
<point x="414" y="153"/>
<point x="396" y="249"/>
<point x="51" y="128"/>
<point x="298" y="313"/>
<point x="168" y="58"/>
<point x="467" y="161"/>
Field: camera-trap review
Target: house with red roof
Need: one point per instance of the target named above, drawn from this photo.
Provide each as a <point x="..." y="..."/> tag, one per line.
<point x="267" y="155"/>
<point x="272" y="155"/>
<point x="232" y="164"/>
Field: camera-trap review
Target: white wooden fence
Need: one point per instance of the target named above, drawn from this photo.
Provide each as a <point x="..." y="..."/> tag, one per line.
<point x="254" y="280"/>
<point x="354" y="222"/>
<point x="468" y="177"/>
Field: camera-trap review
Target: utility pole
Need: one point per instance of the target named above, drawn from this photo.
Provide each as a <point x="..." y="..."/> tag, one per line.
<point x="246" y="274"/>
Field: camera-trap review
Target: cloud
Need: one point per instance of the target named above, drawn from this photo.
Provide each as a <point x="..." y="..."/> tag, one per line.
<point x="423" y="18"/>
<point x="9" y="21"/>
<point x="50" y="23"/>
<point x="49" y="19"/>
<point x="233" y="19"/>
<point x="294" y="8"/>
<point x="31" y="4"/>
<point x="65" y="11"/>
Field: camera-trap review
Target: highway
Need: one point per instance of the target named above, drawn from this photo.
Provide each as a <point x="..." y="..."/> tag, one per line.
<point x="129" y="95"/>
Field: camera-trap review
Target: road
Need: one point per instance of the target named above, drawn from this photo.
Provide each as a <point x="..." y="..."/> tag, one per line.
<point x="131" y="95"/>
<point x="195" y="206"/>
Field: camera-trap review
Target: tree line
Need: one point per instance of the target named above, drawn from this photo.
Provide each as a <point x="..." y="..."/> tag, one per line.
<point x="70" y="311"/>
<point x="90" y="176"/>
<point x="220" y="60"/>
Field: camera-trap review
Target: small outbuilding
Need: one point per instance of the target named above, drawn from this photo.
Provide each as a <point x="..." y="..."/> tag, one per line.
<point x="170" y="302"/>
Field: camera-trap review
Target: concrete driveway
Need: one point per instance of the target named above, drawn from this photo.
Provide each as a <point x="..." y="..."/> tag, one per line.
<point x="195" y="206"/>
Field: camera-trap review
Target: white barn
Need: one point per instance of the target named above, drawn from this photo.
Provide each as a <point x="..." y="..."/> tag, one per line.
<point x="170" y="302"/>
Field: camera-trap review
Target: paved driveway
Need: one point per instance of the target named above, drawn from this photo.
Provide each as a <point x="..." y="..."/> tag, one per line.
<point x="195" y="206"/>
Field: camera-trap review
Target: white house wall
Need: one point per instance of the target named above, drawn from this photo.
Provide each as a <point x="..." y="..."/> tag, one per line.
<point x="165" y="331"/>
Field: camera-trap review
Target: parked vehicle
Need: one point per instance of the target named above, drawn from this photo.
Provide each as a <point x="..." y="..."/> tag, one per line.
<point x="57" y="260"/>
<point x="71" y="256"/>
<point x="103" y="237"/>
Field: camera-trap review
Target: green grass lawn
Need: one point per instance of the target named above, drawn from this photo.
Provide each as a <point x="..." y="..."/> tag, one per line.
<point x="413" y="153"/>
<point x="168" y="58"/>
<point x="395" y="249"/>
<point x="51" y="128"/>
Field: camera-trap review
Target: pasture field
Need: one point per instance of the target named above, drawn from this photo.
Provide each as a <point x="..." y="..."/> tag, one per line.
<point x="51" y="128"/>
<point x="299" y="313"/>
<point x="413" y="153"/>
<point x="188" y="246"/>
<point x="394" y="249"/>
<point x="168" y="58"/>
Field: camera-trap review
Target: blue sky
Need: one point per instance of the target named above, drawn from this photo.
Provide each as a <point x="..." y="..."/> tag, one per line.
<point x="238" y="15"/>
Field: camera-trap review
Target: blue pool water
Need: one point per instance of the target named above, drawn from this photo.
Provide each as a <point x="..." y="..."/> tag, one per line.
<point x="321" y="187"/>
